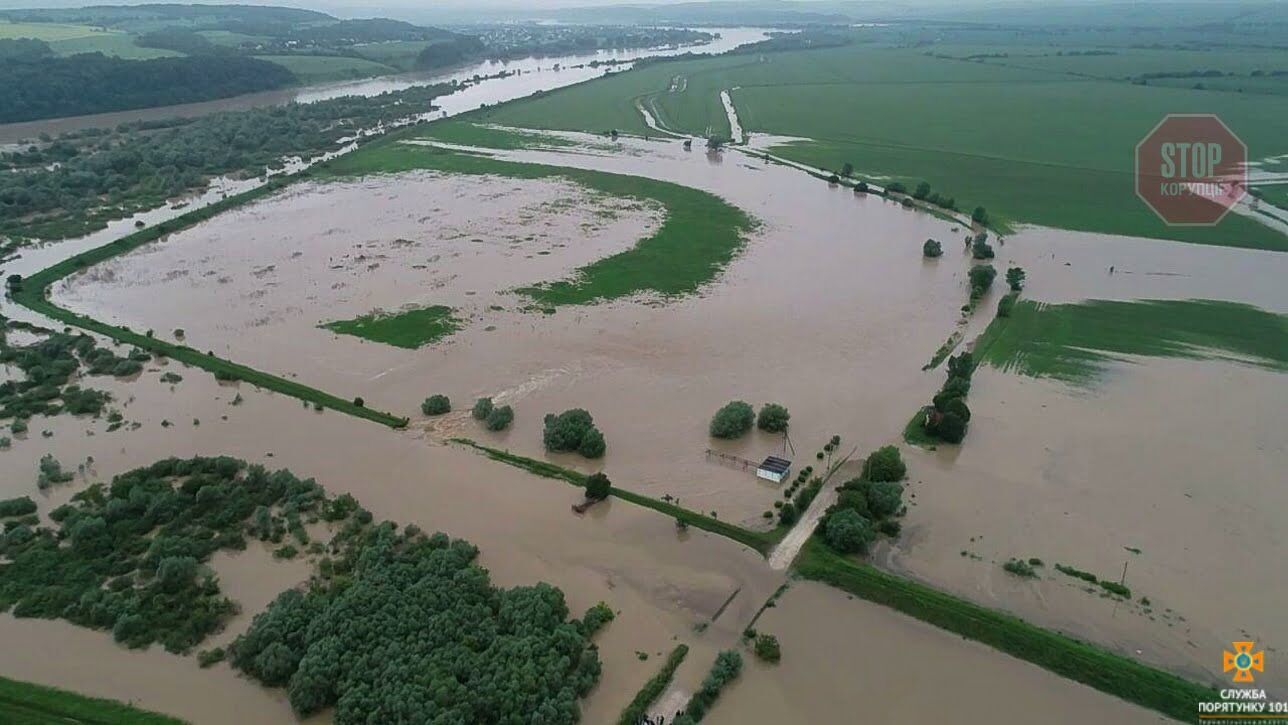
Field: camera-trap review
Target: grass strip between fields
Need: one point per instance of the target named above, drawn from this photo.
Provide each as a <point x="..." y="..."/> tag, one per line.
<point x="24" y="703"/>
<point x="653" y="689"/>
<point x="757" y="540"/>
<point x="33" y="294"/>
<point x="1092" y="666"/>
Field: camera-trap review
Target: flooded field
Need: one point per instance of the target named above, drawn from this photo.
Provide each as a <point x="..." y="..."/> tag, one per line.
<point x="830" y="310"/>
<point x="1178" y="488"/>
<point x="800" y="318"/>
<point x="847" y="660"/>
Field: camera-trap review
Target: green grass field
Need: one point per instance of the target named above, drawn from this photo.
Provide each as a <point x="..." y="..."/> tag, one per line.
<point x="700" y="235"/>
<point x="23" y="703"/>
<point x="408" y="329"/>
<point x="326" y="68"/>
<point x="1033" y="145"/>
<point x="1077" y="342"/>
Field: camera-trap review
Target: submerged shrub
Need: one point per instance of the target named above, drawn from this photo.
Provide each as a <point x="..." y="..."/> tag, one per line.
<point x="482" y="408"/>
<point x="436" y="405"/>
<point x="499" y="419"/>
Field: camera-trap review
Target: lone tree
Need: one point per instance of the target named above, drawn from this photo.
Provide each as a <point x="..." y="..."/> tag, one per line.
<point x="436" y="405"/>
<point x="847" y="169"/>
<point x="931" y="249"/>
<point x="598" y="487"/>
<point x="1015" y="278"/>
<point x="482" y="408"/>
<point x="979" y="216"/>
<point x="733" y="420"/>
<point x="772" y="418"/>
<point x="922" y="191"/>
<point x="13" y="282"/>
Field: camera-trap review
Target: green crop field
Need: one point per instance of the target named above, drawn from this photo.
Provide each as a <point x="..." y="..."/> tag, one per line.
<point x="408" y="329"/>
<point x="325" y="68"/>
<point x="700" y="235"/>
<point x="1034" y="145"/>
<point x="1077" y="342"/>
<point x="120" y="45"/>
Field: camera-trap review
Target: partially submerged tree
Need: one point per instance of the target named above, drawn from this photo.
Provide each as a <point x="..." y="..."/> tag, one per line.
<point x="482" y="408"/>
<point x="772" y="418"/>
<point x="436" y="405"/>
<point x="1015" y="278"/>
<point x="598" y="487"/>
<point x="931" y="249"/>
<point x="732" y="421"/>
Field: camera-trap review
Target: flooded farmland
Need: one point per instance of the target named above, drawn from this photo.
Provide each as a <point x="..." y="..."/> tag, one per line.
<point x="829" y="309"/>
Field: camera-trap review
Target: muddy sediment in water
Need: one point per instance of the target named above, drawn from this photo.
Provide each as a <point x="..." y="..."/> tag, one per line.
<point x="829" y="310"/>
<point x="846" y="660"/>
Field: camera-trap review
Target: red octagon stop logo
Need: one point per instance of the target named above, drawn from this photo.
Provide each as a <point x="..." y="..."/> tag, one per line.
<point x="1191" y="169"/>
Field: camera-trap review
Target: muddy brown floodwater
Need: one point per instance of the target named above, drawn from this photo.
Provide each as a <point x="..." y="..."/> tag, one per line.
<point x="829" y="310"/>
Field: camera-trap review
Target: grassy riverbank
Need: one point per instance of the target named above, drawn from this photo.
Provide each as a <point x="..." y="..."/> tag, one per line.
<point x="34" y="292"/>
<point x="699" y="237"/>
<point x="23" y="703"/>
<point x="1086" y="663"/>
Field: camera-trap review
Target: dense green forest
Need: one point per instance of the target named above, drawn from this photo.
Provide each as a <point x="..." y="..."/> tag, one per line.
<point x="393" y="626"/>
<point x="48" y="86"/>
<point x="409" y="628"/>
<point x="101" y="175"/>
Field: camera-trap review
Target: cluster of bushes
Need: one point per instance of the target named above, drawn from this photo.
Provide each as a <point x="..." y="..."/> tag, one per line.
<point x="401" y="623"/>
<point x="923" y="193"/>
<point x="948" y="416"/>
<point x="1021" y="568"/>
<point x="1110" y="586"/>
<point x="493" y="417"/>
<point x="766" y="648"/>
<point x="868" y="505"/>
<point x="573" y="430"/>
<point x="50" y="472"/>
<point x="131" y="556"/>
<point x="736" y="418"/>
<point x="727" y="667"/>
<point x="799" y="495"/>
<point x="981" y="278"/>
<point x="48" y="367"/>
<point x="979" y="246"/>
<point x="21" y="506"/>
